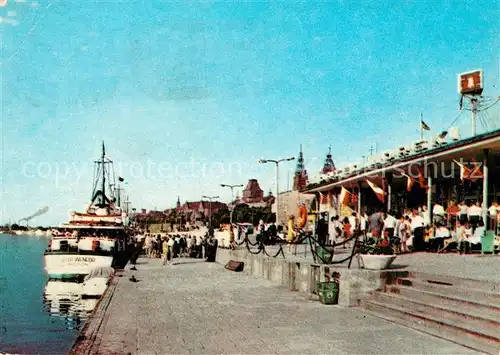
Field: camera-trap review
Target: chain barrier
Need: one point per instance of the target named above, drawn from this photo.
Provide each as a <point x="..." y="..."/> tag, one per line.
<point x="314" y="244"/>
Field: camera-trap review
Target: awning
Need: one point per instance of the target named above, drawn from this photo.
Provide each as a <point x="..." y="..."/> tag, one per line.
<point x="467" y="150"/>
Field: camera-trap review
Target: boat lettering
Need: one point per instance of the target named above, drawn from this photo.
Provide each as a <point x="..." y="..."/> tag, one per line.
<point x="85" y="259"/>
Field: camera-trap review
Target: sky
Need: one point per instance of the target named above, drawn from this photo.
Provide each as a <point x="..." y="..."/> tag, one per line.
<point x="190" y="94"/>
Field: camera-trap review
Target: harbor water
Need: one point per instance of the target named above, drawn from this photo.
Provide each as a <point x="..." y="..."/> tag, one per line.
<point x="36" y="315"/>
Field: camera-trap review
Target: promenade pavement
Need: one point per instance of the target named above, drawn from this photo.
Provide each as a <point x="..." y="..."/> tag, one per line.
<point x="196" y="307"/>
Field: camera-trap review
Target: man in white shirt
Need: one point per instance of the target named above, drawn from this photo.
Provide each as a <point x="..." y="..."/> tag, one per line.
<point x="363" y="220"/>
<point x="336" y="229"/>
<point x="438" y="214"/>
<point x="477" y="236"/>
<point x="462" y="215"/>
<point x="417" y="227"/>
<point x="441" y="234"/>
<point x="426" y="216"/>
<point x="389" y="226"/>
<point x="353" y="221"/>
<point x="475" y="215"/>
<point x="492" y="212"/>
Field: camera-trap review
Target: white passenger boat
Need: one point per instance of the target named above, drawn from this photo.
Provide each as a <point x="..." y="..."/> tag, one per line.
<point x="94" y="239"/>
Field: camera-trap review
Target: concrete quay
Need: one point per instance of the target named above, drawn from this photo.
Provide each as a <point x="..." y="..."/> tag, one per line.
<point x="298" y="272"/>
<point x="196" y="307"/>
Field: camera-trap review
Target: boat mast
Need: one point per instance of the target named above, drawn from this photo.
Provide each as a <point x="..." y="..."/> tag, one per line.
<point x="103" y="174"/>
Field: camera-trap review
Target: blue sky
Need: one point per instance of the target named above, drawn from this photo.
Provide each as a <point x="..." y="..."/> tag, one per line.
<point x="188" y="94"/>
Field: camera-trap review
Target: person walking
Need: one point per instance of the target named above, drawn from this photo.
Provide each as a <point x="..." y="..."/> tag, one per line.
<point x="164" y="247"/>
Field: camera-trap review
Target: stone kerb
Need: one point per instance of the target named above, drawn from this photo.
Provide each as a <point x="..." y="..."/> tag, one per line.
<point x="354" y="284"/>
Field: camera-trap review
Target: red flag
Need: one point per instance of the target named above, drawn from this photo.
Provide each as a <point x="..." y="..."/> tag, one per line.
<point x="471" y="174"/>
<point x="345" y="196"/>
<point x="378" y="191"/>
<point x="421" y="178"/>
<point x="409" y="181"/>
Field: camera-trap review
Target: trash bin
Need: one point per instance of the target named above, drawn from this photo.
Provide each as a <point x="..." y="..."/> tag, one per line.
<point x="324" y="254"/>
<point x="329" y="292"/>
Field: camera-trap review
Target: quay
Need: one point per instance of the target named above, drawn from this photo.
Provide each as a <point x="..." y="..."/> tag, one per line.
<point x="195" y="307"/>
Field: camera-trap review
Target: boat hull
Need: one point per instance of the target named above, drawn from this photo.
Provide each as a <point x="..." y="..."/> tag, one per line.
<point x="71" y="266"/>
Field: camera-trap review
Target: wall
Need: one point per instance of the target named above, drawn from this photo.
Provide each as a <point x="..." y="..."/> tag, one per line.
<point x="354" y="284"/>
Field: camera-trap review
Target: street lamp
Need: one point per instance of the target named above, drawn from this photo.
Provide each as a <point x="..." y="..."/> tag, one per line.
<point x="232" y="198"/>
<point x="277" y="162"/>
<point x="210" y="198"/>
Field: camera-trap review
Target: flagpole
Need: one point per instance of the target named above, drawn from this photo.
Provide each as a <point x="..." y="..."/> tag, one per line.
<point x="421" y="126"/>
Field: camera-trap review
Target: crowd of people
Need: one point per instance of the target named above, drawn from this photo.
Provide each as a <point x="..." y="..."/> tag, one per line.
<point x="459" y="227"/>
<point x="171" y="246"/>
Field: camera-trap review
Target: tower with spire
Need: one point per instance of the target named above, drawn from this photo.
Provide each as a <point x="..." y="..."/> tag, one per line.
<point x="329" y="166"/>
<point x="300" y="179"/>
<point x="178" y="202"/>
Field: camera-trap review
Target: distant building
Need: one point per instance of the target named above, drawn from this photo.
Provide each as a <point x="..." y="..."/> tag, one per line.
<point x="300" y="180"/>
<point x="329" y="166"/>
<point x="198" y="210"/>
<point x="253" y="196"/>
<point x="145" y="216"/>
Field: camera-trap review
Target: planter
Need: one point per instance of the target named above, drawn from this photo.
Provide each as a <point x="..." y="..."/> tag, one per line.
<point x="377" y="262"/>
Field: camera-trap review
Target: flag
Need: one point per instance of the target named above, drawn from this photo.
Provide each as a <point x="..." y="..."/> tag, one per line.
<point x="324" y="198"/>
<point x="471" y="174"/>
<point x="424" y="126"/>
<point x="421" y="178"/>
<point x="120" y="179"/>
<point x="476" y="173"/>
<point x="345" y="196"/>
<point x="378" y="191"/>
<point x="409" y="181"/>
<point x="330" y="198"/>
<point x="354" y="200"/>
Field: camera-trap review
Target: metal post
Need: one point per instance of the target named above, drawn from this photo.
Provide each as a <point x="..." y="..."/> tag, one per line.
<point x="429" y="198"/>
<point x="231" y="211"/>
<point x="485" y="188"/>
<point x="277" y="199"/>
<point x="210" y="198"/>
<point x="474" y="111"/>
<point x="277" y="192"/>
<point x="389" y="196"/>
<point x="210" y="213"/>
<point x="359" y="200"/>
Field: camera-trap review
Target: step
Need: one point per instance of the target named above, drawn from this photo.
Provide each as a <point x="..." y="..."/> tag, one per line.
<point x="487" y="286"/>
<point x="474" y="295"/>
<point x="433" y="326"/>
<point x="457" y="317"/>
<point x="476" y="308"/>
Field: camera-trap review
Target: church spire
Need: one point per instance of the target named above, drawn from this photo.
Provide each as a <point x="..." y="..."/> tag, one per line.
<point x="300" y="180"/>
<point x="178" y="201"/>
<point x="329" y="166"/>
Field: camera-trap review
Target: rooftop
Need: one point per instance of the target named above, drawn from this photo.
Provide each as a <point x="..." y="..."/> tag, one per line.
<point x="417" y="153"/>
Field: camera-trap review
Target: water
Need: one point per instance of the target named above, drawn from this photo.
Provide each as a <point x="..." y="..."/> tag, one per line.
<point x="36" y="315"/>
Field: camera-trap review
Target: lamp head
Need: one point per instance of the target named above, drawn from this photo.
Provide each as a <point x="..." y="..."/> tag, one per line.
<point x="262" y="161"/>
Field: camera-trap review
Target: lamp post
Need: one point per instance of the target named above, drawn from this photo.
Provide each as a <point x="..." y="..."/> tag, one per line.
<point x="277" y="163"/>
<point x="232" y="197"/>
<point x="210" y="198"/>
